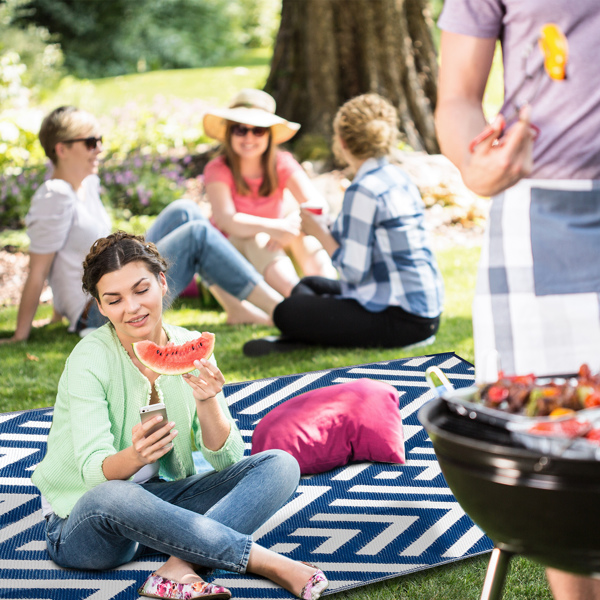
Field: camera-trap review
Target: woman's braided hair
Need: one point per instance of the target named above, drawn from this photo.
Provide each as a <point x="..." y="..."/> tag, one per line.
<point x="113" y="252"/>
<point x="368" y="126"/>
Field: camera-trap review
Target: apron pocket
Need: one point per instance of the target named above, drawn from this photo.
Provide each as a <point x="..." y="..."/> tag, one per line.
<point x="565" y="241"/>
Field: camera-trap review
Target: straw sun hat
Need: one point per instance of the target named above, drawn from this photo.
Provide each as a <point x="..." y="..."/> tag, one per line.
<point x="249" y="107"/>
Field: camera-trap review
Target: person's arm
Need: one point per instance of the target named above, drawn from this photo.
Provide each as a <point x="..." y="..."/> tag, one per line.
<point x="495" y="164"/>
<point x="229" y="220"/>
<point x="39" y="267"/>
<point x="143" y="450"/>
<point x="205" y="387"/>
<point x="303" y="190"/>
<point x="355" y="230"/>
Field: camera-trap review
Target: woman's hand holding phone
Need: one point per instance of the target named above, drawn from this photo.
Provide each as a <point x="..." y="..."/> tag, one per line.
<point x="153" y="437"/>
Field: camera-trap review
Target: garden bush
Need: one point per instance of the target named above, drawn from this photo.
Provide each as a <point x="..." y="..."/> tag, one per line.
<point x="16" y="191"/>
<point x="30" y="62"/>
<point x="142" y="184"/>
<point x="104" y="39"/>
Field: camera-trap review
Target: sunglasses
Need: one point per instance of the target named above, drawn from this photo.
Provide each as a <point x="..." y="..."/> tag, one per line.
<point x="91" y="143"/>
<point x="242" y="130"/>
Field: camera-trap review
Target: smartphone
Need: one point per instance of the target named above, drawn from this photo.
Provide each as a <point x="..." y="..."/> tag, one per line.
<point x="151" y="411"/>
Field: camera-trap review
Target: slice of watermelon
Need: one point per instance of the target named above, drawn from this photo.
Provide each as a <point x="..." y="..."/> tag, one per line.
<point x="172" y="359"/>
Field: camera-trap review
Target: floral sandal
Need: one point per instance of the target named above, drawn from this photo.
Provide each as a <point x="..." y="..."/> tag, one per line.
<point x="160" y="587"/>
<point x="315" y="586"/>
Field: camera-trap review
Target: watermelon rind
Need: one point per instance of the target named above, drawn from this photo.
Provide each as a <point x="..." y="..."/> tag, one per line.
<point x="174" y="359"/>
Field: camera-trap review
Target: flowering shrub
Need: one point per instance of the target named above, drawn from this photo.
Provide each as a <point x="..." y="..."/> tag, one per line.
<point x="142" y="184"/>
<point x="17" y="185"/>
<point x="164" y="126"/>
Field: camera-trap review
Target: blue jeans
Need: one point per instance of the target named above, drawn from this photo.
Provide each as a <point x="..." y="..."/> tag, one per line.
<point x="204" y="519"/>
<point x="190" y="244"/>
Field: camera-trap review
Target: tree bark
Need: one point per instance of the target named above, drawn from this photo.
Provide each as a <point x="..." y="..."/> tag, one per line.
<point x="328" y="51"/>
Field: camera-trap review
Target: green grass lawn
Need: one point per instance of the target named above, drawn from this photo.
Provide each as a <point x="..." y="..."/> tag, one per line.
<point x="214" y="85"/>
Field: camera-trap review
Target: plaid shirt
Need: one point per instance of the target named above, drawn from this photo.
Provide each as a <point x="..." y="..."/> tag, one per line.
<point x="384" y="258"/>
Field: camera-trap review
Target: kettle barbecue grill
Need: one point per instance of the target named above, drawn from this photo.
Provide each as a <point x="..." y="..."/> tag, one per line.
<point x="543" y="507"/>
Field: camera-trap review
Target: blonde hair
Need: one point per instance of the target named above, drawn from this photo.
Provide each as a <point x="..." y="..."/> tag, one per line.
<point x="270" y="180"/>
<point x="65" y="123"/>
<point x="368" y="126"/>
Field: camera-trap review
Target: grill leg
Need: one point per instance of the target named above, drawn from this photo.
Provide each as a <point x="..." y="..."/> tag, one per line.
<point x="495" y="575"/>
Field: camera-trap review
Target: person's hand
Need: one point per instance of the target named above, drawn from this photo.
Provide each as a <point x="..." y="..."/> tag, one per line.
<point x="273" y="245"/>
<point x="500" y="161"/>
<point x="209" y="381"/>
<point x="283" y="231"/>
<point x="149" y="449"/>
<point x="312" y="224"/>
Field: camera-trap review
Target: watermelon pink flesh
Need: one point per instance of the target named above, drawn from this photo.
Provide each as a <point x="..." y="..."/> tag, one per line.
<point x="172" y="359"/>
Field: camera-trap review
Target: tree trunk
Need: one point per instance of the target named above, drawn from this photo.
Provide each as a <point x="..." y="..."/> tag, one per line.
<point x="328" y="51"/>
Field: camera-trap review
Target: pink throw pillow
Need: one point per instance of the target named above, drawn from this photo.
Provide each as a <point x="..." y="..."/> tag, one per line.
<point x="332" y="426"/>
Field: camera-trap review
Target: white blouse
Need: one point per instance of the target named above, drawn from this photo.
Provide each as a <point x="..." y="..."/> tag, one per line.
<point x="60" y="221"/>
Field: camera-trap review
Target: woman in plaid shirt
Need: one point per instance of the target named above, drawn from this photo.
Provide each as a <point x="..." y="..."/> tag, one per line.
<point x="390" y="291"/>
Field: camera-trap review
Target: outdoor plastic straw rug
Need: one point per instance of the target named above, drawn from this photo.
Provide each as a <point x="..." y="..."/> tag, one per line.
<point x="361" y="523"/>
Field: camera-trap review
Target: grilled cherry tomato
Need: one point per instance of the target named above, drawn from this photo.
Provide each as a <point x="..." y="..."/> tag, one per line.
<point x="570" y="428"/>
<point x="497" y="394"/>
<point x="593" y="436"/>
<point x="592" y="399"/>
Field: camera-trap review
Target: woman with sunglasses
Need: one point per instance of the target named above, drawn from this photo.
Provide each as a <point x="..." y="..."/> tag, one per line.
<point x="66" y="216"/>
<point x="245" y="185"/>
<point x="114" y="489"/>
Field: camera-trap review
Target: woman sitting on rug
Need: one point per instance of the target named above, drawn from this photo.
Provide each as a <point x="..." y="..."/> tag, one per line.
<point x="390" y="290"/>
<point x="112" y="491"/>
<point x="245" y="186"/>
<point x="67" y="216"/>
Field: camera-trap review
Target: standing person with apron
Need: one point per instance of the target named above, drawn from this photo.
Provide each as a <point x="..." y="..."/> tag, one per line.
<point x="537" y="297"/>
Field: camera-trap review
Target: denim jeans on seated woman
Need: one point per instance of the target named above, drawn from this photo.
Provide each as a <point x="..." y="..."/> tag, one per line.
<point x="190" y="244"/>
<point x="205" y="519"/>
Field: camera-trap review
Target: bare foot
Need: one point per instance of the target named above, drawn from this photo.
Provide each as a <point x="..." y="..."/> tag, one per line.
<point x="244" y="313"/>
<point x="41" y="322"/>
<point x="178" y="570"/>
<point x="56" y="318"/>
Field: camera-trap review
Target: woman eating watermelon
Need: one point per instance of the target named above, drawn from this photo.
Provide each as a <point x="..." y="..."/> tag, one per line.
<point x="111" y="491"/>
<point x="389" y="292"/>
<point x="66" y="216"/>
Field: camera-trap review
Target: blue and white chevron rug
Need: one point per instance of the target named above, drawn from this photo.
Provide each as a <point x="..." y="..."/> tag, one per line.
<point x="361" y="523"/>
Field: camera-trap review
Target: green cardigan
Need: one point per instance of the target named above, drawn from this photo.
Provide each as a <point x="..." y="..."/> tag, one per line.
<point x="99" y="396"/>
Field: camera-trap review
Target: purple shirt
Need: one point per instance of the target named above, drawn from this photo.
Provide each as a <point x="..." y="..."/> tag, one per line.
<point x="567" y="112"/>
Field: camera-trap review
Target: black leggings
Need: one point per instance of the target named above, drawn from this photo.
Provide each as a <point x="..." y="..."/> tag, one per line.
<point x="315" y="315"/>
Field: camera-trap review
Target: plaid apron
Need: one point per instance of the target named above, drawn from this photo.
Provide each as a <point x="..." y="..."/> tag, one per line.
<point x="537" y="302"/>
